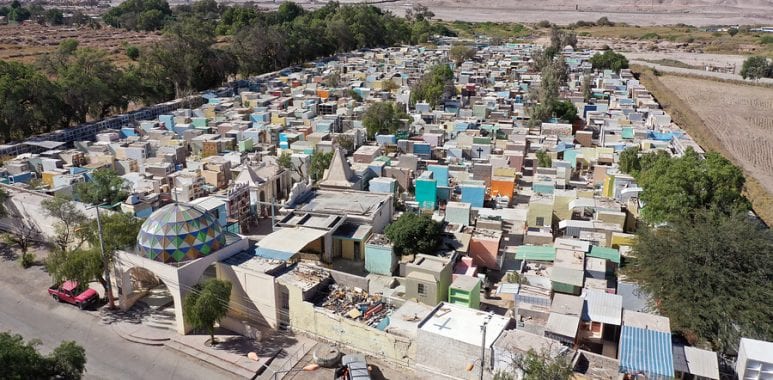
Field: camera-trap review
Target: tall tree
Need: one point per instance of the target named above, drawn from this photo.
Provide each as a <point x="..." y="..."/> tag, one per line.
<point x="85" y="264"/>
<point x="587" y="88"/>
<point x="320" y="161"/>
<point x="91" y="84"/>
<point x="29" y="102"/>
<point x="382" y="118"/>
<point x="206" y="305"/>
<point x="675" y="188"/>
<point x="711" y="275"/>
<point x="630" y="162"/>
<point x="69" y="217"/>
<point x="435" y="86"/>
<point x="285" y="160"/>
<point x="411" y="234"/>
<point x="460" y="53"/>
<point x="105" y="186"/>
<point x="21" y="360"/>
<point x="756" y="67"/>
<point x="609" y="60"/>
<point x="187" y="57"/>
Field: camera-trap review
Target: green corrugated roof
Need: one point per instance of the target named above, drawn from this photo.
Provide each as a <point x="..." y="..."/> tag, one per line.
<point x="610" y="254"/>
<point x="535" y="252"/>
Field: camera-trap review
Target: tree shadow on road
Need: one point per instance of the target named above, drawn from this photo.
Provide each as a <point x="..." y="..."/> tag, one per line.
<point x="8" y="253"/>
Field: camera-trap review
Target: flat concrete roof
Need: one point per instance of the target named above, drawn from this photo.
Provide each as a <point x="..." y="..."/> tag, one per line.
<point x="405" y="320"/>
<point x="701" y="362"/>
<point x="463" y="324"/>
<point x="290" y="240"/>
<point x="466" y="283"/>
<point x="355" y="203"/>
<point x="757" y="349"/>
<point x="566" y="304"/>
<point x="646" y="321"/>
<point x="562" y="324"/>
<point x="524" y="341"/>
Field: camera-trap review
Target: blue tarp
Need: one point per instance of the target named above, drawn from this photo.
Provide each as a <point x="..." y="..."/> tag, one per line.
<point x="648" y="351"/>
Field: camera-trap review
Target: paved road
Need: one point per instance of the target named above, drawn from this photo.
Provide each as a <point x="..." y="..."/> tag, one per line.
<point x="26" y="309"/>
<point x="703" y="73"/>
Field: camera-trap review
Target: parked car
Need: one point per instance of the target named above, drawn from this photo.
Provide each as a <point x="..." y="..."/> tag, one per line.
<point x="72" y="293"/>
<point x="353" y="367"/>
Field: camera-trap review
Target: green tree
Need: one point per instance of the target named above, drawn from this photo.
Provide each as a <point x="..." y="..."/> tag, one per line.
<point x="132" y="52"/>
<point x="412" y="234"/>
<point x="29" y="102"/>
<point x="346" y="142"/>
<point x="319" y="163"/>
<point x="3" y="198"/>
<point x="86" y="264"/>
<point x="544" y="366"/>
<point x="187" y="58"/>
<point x="120" y="231"/>
<point x="565" y="111"/>
<point x="460" y="53"/>
<point x="206" y="305"/>
<point x="630" y="162"/>
<point x="382" y="118"/>
<point x="68" y="217"/>
<point x="21" y="360"/>
<point x="285" y="160"/>
<point x="587" y="88"/>
<point x="559" y="38"/>
<point x="105" y="187"/>
<point x="235" y="18"/>
<point x="676" y="188"/>
<point x="139" y="15"/>
<point x="543" y="159"/>
<point x="609" y="60"/>
<point x="91" y="84"/>
<point x="260" y="48"/>
<point x="54" y="17"/>
<point x="711" y="275"/>
<point x="435" y="86"/>
<point x="756" y="67"/>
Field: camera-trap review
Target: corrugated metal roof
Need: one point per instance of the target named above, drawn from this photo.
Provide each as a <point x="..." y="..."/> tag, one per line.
<point x="535" y="252"/>
<point x="603" y="307"/>
<point x="647" y="351"/>
<point x="610" y="254"/>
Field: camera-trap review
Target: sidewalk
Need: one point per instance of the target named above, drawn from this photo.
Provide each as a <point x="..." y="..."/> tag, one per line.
<point x="274" y="353"/>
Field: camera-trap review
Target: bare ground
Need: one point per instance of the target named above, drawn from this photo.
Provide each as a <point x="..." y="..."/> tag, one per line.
<point x="636" y="12"/>
<point x="733" y="119"/>
<point x="28" y="41"/>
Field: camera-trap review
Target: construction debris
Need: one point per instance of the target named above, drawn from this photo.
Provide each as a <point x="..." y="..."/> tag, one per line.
<point x="357" y="304"/>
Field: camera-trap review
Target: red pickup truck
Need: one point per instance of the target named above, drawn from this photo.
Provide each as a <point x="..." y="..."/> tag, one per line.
<point x="69" y="292"/>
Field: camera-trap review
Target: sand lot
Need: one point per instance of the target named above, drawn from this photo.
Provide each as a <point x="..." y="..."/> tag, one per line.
<point x="635" y="12"/>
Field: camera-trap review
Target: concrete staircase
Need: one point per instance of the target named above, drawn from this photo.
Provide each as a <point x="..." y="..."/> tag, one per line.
<point x="138" y="333"/>
<point x="161" y="319"/>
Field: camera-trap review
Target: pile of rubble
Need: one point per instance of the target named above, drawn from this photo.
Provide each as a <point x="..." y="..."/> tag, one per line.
<point x="357" y="304"/>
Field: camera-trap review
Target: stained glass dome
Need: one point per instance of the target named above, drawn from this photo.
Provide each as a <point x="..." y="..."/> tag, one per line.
<point x="177" y="233"/>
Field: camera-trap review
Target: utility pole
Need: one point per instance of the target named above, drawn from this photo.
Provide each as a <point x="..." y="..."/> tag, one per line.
<point x="105" y="262"/>
<point x="483" y="345"/>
